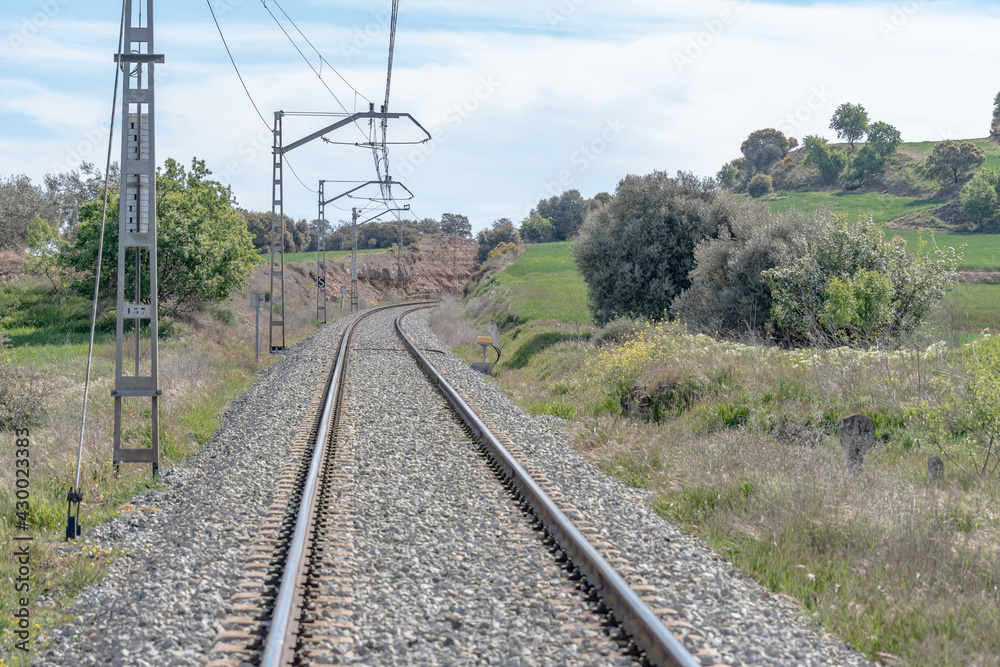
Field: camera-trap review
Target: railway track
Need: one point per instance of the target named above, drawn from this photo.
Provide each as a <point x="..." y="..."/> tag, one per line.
<point x="334" y="576"/>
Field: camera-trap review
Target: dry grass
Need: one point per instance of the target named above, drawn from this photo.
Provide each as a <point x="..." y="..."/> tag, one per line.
<point x="748" y="457"/>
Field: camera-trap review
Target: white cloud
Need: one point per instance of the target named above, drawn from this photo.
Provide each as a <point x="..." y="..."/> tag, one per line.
<point x="520" y="111"/>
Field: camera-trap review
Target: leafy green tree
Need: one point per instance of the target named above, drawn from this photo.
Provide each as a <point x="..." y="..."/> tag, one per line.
<point x="43" y="250"/>
<point x="502" y="231"/>
<point x="69" y="191"/>
<point x="863" y="165"/>
<point x="995" y="126"/>
<point x="20" y="202"/>
<point x="760" y="185"/>
<point x="728" y="295"/>
<point x="883" y="138"/>
<point x="729" y="176"/>
<point x="763" y="148"/>
<point x="952" y="161"/>
<point x="854" y="286"/>
<point x="850" y="122"/>
<point x="637" y="252"/>
<point x="204" y="251"/>
<point x="980" y="199"/>
<point x="566" y="212"/>
<point x="456" y="225"/>
<point x="537" y="229"/>
<point x="824" y="157"/>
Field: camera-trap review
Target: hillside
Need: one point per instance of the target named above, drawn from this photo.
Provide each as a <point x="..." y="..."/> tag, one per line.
<point x="902" y="195"/>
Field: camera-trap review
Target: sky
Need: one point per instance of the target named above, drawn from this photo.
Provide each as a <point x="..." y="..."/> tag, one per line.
<point x="524" y="99"/>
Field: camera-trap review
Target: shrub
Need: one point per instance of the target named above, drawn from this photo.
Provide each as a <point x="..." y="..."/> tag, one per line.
<point x="728" y="295"/>
<point x="537" y="229"/>
<point x="760" y="185"/>
<point x="828" y="160"/>
<point x="853" y="286"/>
<point x="636" y="252"/>
<point x="502" y="248"/>
<point x="502" y="231"/>
<point x="981" y="199"/>
<point x="22" y="391"/>
<point x="617" y="331"/>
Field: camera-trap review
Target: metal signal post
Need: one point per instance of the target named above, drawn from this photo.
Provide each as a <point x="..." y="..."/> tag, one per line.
<point x="137" y="311"/>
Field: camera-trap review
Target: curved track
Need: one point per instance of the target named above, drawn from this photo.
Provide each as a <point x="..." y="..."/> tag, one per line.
<point x="314" y="539"/>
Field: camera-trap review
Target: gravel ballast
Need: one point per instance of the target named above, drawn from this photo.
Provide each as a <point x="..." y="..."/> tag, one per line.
<point x="436" y="579"/>
<point x="162" y="602"/>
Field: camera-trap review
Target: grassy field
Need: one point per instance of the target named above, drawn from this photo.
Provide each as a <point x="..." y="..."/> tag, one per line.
<point x="981" y="252"/>
<point x="741" y="447"/>
<point x="883" y="208"/>
<point x="331" y="255"/>
<point x="542" y="284"/>
<point x="922" y="151"/>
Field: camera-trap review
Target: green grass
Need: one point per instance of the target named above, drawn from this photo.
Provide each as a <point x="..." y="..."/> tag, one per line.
<point x="972" y="307"/>
<point x="922" y="150"/>
<point x="982" y="251"/>
<point x="542" y="285"/>
<point x="35" y="315"/>
<point x="331" y="255"/>
<point x="883" y="208"/>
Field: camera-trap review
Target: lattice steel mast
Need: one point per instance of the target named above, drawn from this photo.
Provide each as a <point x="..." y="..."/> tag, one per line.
<point x="137" y="313"/>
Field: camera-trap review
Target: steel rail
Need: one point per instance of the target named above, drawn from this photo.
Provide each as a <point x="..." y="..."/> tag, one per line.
<point x="638" y="620"/>
<point x="279" y="645"/>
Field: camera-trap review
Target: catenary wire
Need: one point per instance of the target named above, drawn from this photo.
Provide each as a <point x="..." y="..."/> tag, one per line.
<point x="233" y="61"/>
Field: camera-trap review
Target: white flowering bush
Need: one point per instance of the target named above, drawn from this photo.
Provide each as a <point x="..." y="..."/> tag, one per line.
<point x="853" y="286"/>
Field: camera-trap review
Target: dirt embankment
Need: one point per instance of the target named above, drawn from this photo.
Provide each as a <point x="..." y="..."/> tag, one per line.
<point x="439" y="266"/>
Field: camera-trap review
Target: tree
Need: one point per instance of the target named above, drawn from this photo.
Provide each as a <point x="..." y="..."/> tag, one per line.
<point x="43" y="250"/>
<point x="565" y="211"/>
<point x="854" y="286"/>
<point x="729" y="176"/>
<point x="20" y="202"/>
<point x="204" y="251"/>
<point x="537" y="229"/>
<point x="864" y="164"/>
<point x="763" y="148"/>
<point x="760" y="185"/>
<point x="636" y="253"/>
<point x="502" y="231"/>
<point x="850" y="121"/>
<point x="69" y="191"/>
<point x="824" y="157"/>
<point x="728" y="294"/>
<point x="456" y="225"/>
<point x="995" y="126"/>
<point x="953" y="161"/>
<point x="883" y="139"/>
<point x="980" y="199"/>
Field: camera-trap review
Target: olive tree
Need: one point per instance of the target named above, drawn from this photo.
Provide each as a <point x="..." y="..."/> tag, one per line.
<point x="952" y="161"/>
<point x="636" y="253"/>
